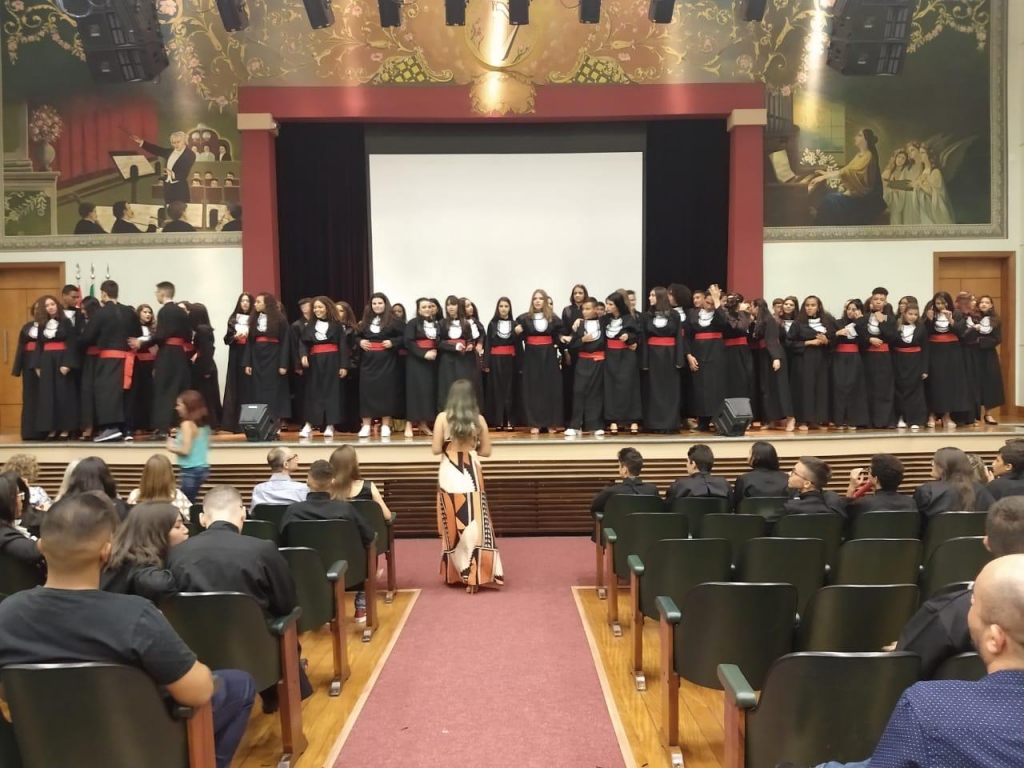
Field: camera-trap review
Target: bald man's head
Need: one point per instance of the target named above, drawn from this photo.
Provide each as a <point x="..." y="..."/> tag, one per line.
<point x="996" y="618"/>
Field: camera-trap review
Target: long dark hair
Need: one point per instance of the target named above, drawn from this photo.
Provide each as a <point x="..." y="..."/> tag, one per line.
<point x="796" y="308"/>
<point x="332" y="311"/>
<point x="497" y="304"/>
<point x="682" y="295"/>
<point x="369" y="314"/>
<point x="762" y="315"/>
<point x="271" y="309"/>
<point x="92" y="474"/>
<point x="572" y="302"/>
<point x="152" y="316"/>
<point x="763" y="454"/>
<point x="40" y="314"/>
<point x="992" y="315"/>
<point x="460" y="316"/>
<point x="823" y="315"/>
<point x="195" y="407"/>
<point x="144" y="536"/>
<point x="617" y="299"/>
<point x="199" y="316"/>
<point x="238" y="306"/>
<point x="660" y="300"/>
<point x="9" y="490"/>
<point x="89" y="306"/>
<point x="350" y="314"/>
<point x="955" y="468"/>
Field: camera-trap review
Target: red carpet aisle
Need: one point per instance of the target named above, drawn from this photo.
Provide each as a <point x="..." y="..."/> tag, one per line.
<point x="500" y="679"/>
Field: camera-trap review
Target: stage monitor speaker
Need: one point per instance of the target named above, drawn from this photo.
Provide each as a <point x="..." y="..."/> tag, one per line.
<point x="855" y="58"/>
<point x="122" y="42"/>
<point x="233" y="14"/>
<point x="259" y="425"/>
<point x="660" y="11"/>
<point x="455" y="13"/>
<point x="734" y="418"/>
<point x="753" y="10"/>
<point x="390" y="13"/>
<point x="320" y="13"/>
<point x="590" y="11"/>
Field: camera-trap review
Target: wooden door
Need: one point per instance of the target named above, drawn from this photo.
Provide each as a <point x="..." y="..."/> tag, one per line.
<point x="992" y="273"/>
<point x="20" y="285"/>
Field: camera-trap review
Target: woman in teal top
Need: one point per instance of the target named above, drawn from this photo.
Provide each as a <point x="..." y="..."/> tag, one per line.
<point x="192" y="443"/>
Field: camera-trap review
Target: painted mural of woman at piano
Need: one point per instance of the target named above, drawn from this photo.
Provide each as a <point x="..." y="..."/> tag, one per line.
<point x="859" y="200"/>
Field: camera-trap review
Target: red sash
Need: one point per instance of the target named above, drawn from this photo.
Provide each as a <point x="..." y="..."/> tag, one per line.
<point x="323" y="349"/>
<point x="377" y="346"/>
<point x="426" y="343"/>
<point x="30" y="346"/>
<point x="93" y="351"/>
<point x="54" y="346"/>
<point x="539" y="341"/>
<point x="597" y="356"/>
<point x="707" y="336"/>
<point x="267" y="340"/>
<point x="664" y="341"/>
<point x="146" y="356"/>
<point x="883" y="347"/>
<point x="617" y="344"/>
<point x="908" y="349"/>
<point x="944" y="338"/>
<point x="847" y="347"/>
<point x="243" y="340"/>
<point x="758" y="344"/>
<point x="174" y="341"/>
<point x="738" y="341"/>
<point x="129" y="363"/>
<point x="505" y="350"/>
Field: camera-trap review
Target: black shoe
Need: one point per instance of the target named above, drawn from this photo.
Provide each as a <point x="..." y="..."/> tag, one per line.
<point x="158" y="436"/>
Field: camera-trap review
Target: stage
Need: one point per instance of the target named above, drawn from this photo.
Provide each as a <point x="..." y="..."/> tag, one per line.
<point x="535" y="484"/>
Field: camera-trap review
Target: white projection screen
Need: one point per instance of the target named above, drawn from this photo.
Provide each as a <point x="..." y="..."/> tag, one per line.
<point x="490" y="225"/>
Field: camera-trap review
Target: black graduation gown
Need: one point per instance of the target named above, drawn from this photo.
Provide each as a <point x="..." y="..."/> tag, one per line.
<point x="502" y="354"/>
<point x="327" y="354"/>
<point x="205" y="378"/>
<point x="909" y="364"/>
<point x="849" y="390"/>
<point x="946" y="385"/>
<point x="456" y="359"/>
<point x="878" y="373"/>
<point x="57" y="409"/>
<point x="350" y="384"/>
<point x="236" y="383"/>
<point x="402" y="354"/>
<point x="172" y="373"/>
<point x="88" y="355"/>
<point x="760" y="483"/>
<point x="739" y="362"/>
<point x="296" y="373"/>
<point x="969" y="349"/>
<point x="622" y="400"/>
<point x="23" y="356"/>
<point x="542" y="382"/>
<point x="109" y="329"/>
<point x="379" y="387"/>
<point x="989" y="368"/>
<point x="707" y="344"/>
<point x="267" y="352"/>
<point x="810" y="373"/>
<point x="773" y="386"/>
<point x="140" y="398"/>
<point x="662" y="354"/>
<point x="570" y="314"/>
<point x="588" y="378"/>
<point x="421" y="373"/>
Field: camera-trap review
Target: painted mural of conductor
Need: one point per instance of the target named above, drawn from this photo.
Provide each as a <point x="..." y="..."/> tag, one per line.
<point x="178" y="160"/>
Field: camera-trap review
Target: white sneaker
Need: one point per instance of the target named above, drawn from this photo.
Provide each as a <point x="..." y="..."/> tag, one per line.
<point x="901" y="424"/>
<point x="385" y="432"/>
<point x="306" y="431"/>
<point x="915" y="427"/>
<point x="570" y="432"/>
<point x="364" y="431"/>
<point x="328" y="432"/>
<point x="598" y="433"/>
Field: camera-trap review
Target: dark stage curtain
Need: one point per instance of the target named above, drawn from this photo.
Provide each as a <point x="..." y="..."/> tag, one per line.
<point x="323" y="223"/>
<point x="686" y="206"/>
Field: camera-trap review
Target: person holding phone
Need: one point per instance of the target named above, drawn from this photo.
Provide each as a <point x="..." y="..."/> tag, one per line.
<point x="877" y="489"/>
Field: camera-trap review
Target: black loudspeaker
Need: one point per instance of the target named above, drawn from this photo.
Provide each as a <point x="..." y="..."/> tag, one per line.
<point x="390" y="13"/>
<point x="870" y="37"/>
<point x="320" y="13"/>
<point x="122" y="42"/>
<point x="455" y="13"/>
<point x="590" y="11"/>
<point x="661" y="11"/>
<point x="734" y="417"/>
<point x="234" y="14"/>
<point x="258" y="423"/>
<point x="754" y="10"/>
<point x="518" y="12"/>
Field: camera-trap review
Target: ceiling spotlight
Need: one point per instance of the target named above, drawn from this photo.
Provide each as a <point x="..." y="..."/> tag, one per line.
<point x="660" y="11"/>
<point x="518" y="12"/>
<point x="390" y="13"/>
<point x="590" y="11"/>
<point x="455" y="13"/>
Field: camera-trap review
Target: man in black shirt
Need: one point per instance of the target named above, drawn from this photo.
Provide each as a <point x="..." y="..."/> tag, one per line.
<point x="87" y="223"/>
<point x="172" y="371"/>
<point x="71" y="620"/>
<point x="808" y="479"/>
<point x="631" y="463"/>
<point x="123" y="220"/>
<point x="1008" y="469"/>
<point x="939" y="628"/>
<point x="699" y="481"/>
<point x="884" y="479"/>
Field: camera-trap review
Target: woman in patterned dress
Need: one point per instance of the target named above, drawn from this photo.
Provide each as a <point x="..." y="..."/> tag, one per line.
<point x="469" y="552"/>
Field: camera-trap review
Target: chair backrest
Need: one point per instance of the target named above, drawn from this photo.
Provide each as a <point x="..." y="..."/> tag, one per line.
<point x="800" y="562"/>
<point x="272" y="512"/>
<point x="856" y="619"/>
<point x="333" y="540"/>
<point x="952" y="525"/>
<point x="193" y="529"/>
<point x="262" y="529"/>
<point x="841" y="702"/>
<point x="764" y="506"/>
<point x="878" y="561"/>
<point x="736" y="529"/>
<point x="17" y="575"/>
<point x="316" y="598"/>
<point x="959" y="559"/>
<point x="964" y="666"/>
<point x="695" y="507"/>
<point x="374" y="515"/>
<point x="672" y="567"/>
<point x="92" y="715"/>
<point x="749" y="625"/>
<point x="640" y="531"/>
<point x="620" y="505"/>
<point x="898" y="524"/>
<point x="227" y="630"/>
<point x="825" y="526"/>
<point x="193" y="514"/>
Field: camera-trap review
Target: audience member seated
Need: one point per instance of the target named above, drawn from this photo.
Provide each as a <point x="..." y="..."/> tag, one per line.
<point x="952" y="723"/>
<point x="65" y="481"/>
<point x="877" y="489"/>
<point x="280" y="488"/>
<point x="1008" y="470"/>
<point x="954" y="488"/>
<point x="93" y="474"/>
<point x="27" y="468"/>
<point x="631" y="463"/>
<point x="349" y="485"/>
<point x="808" y="480"/>
<point x="157" y="484"/>
<point x="223" y="560"/>
<point x="72" y="620"/>
<point x="764" y="479"/>
<point x="12" y="541"/>
<point x="138" y="558"/>
<point x="939" y="628"/>
<point x="699" y="481"/>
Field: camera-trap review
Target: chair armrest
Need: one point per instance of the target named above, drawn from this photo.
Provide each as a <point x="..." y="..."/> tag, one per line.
<point x="180" y="711"/>
<point x="636" y="565"/>
<point x="668" y="610"/>
<point x="337" y="570"/>
<point x="738" y="692"/>
<point x="388" y="522"/>
<point x="610" y="535"/>
<point x="279" y="624"/>
<point x="599" y="516"/>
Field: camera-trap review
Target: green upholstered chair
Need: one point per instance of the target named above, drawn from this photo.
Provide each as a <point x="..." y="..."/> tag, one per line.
<point x="800" y="562"/>
<point x="856" y="618"/>
<point x="696" y="507"/>
<point x="954" y="560"/>
<point x="898" y="524"/>
<point x="262" y="529"/>
<point x="273" y="513"/>
<point x="878" y="561"/>
<point x="17" y="575"/>
<point x="964" y="666"/>
<point x="952" y="525"/>
<point x="736" y="529"/>
<point x="764" y="506"/>
<point x="825" y="526"/>
<point x="385" y="529"/>
<point x="613" y="515"/>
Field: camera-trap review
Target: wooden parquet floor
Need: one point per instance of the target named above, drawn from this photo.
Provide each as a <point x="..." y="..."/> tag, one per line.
<point x="701" y="710"/>
<point x="325" y="718"/>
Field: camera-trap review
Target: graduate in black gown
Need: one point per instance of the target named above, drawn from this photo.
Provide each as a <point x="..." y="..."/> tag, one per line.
<point x="622" y="401"/>
<point x="880" y="327"/>
<point x="172" y="373"/>
<point x="400" y="320"/>
<point x="140" y="409"/>
<point x="662" y="355"/>
<point x="990" y="334"/>
<point x="53" y="360"/>
<point x="571" y="313"/>
<point x="849" y="391"/>
<point x="776" y="404"/>
<point x="540" y="331"/>
<point x="205" y="378"/>
<point x="946" y="386"/>
<point x="378" y="369"/>
<point x="28" y="338"/>
<point x="502" y="354"/>
<point x="808" y="340"/>
<point x="236" y="382"/>
<point x="323" y="355"/>
<point x="681" y="298"/>
<point x="88" y="354"/>
<point x="967" y="307"/>
<point x="296" y="373"/>
<point x="588" y="348"/>
<point x="706" y="358"/>
<point x="478" y="333"/>
<point x="350" y="384"/>
<point x="421" y="335"/>
<point x="456" y="350"/>
<point x="268" y="356"/>
<point x="739" y="362"/>
<point x="910" y="367"/>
